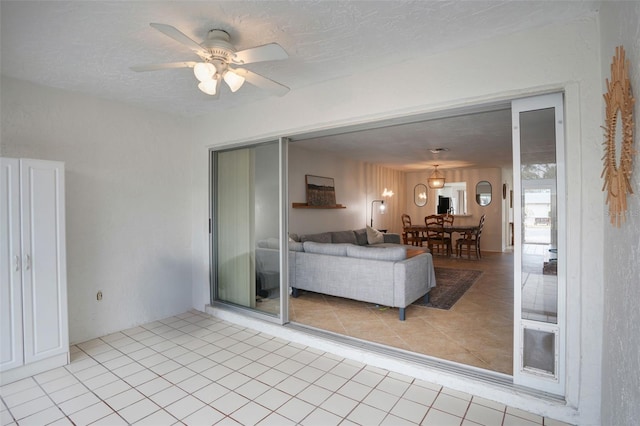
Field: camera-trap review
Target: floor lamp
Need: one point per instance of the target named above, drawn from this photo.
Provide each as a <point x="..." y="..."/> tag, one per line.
<point x="382" y="208"/>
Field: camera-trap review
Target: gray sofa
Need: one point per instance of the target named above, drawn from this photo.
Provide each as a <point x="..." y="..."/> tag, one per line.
<point x="375" y="273"/>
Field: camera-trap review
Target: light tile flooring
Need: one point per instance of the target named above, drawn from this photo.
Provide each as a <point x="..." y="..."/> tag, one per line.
<point x="539" y="289"/>
<point x="194" y="369"/>
<point x="476" y="331"/>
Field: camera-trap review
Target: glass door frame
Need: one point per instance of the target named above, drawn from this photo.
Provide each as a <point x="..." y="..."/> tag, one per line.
<point x="283" y="219"/>
<point x="558" y="388"/>
<point x="552" y="383"/>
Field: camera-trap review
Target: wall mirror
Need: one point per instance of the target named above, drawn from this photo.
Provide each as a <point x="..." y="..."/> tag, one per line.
<point x="483" y="193"/>
<point x="420" y="195"/>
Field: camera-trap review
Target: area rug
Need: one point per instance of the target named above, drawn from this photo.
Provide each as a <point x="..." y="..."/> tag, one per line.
<point x="451" y="284"/>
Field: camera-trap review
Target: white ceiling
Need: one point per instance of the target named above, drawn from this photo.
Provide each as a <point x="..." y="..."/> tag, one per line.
<point x="471" y="140"/>
<point x="88" y="47"/>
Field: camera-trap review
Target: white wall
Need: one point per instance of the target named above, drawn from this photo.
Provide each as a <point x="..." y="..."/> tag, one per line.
<point x="128" y="202"/>
<point x="563" y="56"/>
<point x="130" y="212"/>
<point x="621" y="359"/>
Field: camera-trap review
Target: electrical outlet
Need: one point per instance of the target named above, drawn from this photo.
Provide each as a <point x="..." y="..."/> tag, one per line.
<point x="99" y="296"/>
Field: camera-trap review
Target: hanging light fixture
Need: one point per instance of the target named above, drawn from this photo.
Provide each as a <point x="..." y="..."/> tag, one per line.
<point x="209" y="86"/>
<point x="204" y="71"/>
<point x="233" y="80"/>
<point x="436" y="180"/>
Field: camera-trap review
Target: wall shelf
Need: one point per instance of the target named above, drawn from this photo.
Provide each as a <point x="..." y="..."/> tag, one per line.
<point x="307" y="206"/>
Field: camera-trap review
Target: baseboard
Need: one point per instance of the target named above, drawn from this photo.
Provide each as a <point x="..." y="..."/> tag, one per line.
<point x="34" y="368"/>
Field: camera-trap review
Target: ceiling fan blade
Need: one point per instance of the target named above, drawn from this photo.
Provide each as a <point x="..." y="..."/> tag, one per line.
<point x="180" y="37"/>
<point x="158" y="67"/>
<point x="266" y="52"/>
<point x="262" y="82"/>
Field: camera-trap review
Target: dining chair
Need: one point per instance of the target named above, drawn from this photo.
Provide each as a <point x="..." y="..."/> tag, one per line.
<point x="408" y="235"/>
<point x="437" y="240"/>
<point x="470" y="240"/>
<point x="447" y="220"/>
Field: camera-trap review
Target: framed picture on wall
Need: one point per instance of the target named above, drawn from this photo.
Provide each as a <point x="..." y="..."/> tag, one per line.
<point x="321" y="191"/>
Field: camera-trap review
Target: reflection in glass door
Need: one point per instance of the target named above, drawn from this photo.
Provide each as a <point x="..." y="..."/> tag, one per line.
<point x="246" y="227"/>
<point x="539" y="250"/>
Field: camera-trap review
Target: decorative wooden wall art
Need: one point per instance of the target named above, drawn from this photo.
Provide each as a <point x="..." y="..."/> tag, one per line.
<point x="619" y="106"/>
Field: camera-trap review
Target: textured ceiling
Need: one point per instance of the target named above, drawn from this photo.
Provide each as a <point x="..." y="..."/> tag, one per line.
<point x="474" y="140"/>
<point x="88" y="46"/>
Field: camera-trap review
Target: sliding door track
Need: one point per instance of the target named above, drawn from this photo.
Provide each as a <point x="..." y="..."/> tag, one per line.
<point x="480" y="375"/>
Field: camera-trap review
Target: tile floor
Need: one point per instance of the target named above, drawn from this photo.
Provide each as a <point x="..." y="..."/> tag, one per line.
<point x="476" y="331"/>
<point x="194" y="369"/>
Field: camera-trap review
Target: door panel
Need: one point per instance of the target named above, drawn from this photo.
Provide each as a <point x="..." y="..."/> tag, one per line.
<point x="539" y="242"/>
<point x="43" y="263"/>
<point x="246" y="233"/>
<point x="11" y="352"/>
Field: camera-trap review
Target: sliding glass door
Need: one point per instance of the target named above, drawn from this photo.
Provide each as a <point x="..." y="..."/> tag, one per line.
<point x="246" y="227"/>
<point x="540" y="252"/>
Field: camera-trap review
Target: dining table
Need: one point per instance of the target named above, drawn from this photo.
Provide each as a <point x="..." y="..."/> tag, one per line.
<point x="419" y="232"/>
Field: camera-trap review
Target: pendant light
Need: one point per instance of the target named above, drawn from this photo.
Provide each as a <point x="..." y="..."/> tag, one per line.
<point x="436" y="180"/>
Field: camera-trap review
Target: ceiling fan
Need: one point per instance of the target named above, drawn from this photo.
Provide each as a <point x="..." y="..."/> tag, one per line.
<point x="218" y="60"/>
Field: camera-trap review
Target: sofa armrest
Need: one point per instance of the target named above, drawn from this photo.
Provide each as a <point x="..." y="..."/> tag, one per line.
<point x="392" y="238"/>
<point x="413" y="278"/>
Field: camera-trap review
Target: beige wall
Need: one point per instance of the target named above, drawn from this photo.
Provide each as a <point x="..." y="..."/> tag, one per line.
<point x="492" y="235"/>
<point x="356" y="183"/>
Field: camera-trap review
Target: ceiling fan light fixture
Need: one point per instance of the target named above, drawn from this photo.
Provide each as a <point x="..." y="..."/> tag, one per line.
<point x="204" y="71"/>
<point x="436" y="180"/>
<point x="209" y="87"/>
<point x="233" y="80"/>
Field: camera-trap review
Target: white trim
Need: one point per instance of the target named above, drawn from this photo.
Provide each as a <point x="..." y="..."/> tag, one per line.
<point x="34" y="368"/>
<point x="521" y="375"/>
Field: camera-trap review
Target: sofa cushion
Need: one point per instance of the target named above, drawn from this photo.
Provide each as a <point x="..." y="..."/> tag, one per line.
<point x="324" y="237"/>
<point x="374" y="236"/>
<point x="324" y="248"/>
<point x="375" y="253"/>
<point x="273" y="243"/>
<point x="392" y="238"/>
<point x="348" y="237"/>
<point x="361" y="236"/>
<point x="295" y="246"/>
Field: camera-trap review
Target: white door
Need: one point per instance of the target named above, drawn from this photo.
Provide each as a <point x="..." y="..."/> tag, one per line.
<point x="11" y="352"/>
<point x="43" y="260"/>
<point x="539" y="243"/>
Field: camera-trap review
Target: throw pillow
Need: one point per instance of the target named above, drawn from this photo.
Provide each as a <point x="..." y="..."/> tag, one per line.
<point x="361" y="236"/>
<point x="374" y="236"/>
